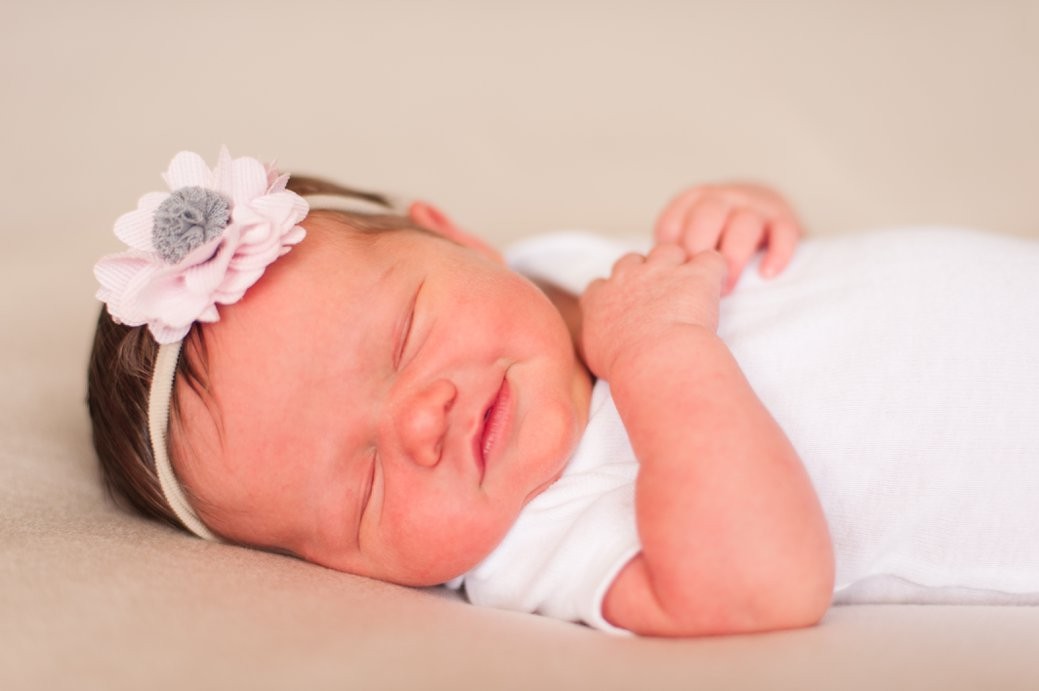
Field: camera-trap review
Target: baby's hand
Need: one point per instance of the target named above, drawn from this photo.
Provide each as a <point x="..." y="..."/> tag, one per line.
<point x="644" y="298"/>
<point x="735" y="219"/>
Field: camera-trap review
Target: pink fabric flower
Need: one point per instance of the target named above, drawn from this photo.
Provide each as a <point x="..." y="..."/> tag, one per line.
<point x="170" y="289"/>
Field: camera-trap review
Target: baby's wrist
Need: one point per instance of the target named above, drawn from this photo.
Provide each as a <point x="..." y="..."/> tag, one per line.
<point x="674" y="346"/>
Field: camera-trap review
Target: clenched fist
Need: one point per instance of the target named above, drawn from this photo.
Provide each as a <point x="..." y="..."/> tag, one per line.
<point x="644" y="298"/>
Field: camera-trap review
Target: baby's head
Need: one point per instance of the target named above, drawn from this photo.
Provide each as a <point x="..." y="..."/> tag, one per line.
<point x="383" y="400"/>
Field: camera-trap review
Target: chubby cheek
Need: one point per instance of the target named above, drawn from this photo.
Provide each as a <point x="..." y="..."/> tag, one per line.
<point x="434" y="542"/>
<point x="551" y="434"/>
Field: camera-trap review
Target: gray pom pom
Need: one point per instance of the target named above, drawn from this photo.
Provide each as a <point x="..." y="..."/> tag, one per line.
<point x="187" y="219"/>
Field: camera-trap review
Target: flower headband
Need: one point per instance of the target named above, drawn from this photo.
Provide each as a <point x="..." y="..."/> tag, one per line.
<point x="202" y="244"/>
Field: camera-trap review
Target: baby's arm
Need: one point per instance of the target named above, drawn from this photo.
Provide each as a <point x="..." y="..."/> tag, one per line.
<point x="733" y="537"/>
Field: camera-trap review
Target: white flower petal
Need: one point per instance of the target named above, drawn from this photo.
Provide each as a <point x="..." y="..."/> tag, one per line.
<point x="135" y="229"/>
<point x="259" y="239"/>
<point x="188" y="169"/>
<point x="209" y="314"/>
<point x="204" y="278"/>
<point x="245" y="216"/>
<point x="115" y="271"/>
<point x="166" y="300"/>
<point x="128" y="307"/>
<point x="293" y="237"/>
<point x="276" y="182"/>
<point x="163" y="333"/>
<point x="248" y="181"/>
<point x="281" y="208"/>
<point x="222" y="172"/>
<point x="236" y="283"/>
<point x="256" y="233"/>
<point x="151" y="201"/>
<point x="258" y="258"/>
<point x="268" y="249"/>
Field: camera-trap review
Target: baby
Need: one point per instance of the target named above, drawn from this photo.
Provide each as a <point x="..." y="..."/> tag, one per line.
<point x="381" y="394"/>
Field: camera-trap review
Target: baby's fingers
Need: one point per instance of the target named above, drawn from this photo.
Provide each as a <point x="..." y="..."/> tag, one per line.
<point x="783" y="236"/>
<point x="713" y="265"/>
<point x="704" y="224"/>
<point x="667" y="253"/>
<point x="672" y="220"/>
<point x="741" y="240"/>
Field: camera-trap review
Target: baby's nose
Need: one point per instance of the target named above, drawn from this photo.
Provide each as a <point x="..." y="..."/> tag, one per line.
<point x="422" y="421"/>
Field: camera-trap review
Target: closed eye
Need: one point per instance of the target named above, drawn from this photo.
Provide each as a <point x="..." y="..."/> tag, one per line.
<point x="405" y="331"/>
<point x="366" y="494"/>
<point x="403" y="340"/>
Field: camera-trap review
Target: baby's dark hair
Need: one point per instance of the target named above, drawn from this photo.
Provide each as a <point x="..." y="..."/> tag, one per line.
<point x="122" y="358"/>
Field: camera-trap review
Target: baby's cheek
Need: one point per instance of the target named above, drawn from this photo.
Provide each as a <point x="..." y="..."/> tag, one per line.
<point x="438" y="539"/>
<point x="557" y="434"/>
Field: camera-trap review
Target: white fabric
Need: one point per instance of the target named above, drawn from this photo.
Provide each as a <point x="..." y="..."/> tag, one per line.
<point x="903" y="365"/>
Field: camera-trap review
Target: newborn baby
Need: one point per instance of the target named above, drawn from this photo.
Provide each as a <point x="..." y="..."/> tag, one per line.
<point x="390" y="399"/>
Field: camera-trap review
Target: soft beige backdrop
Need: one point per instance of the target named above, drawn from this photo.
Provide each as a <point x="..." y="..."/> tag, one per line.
<point x="517" y="117"/>
<point x="524" y="115"/>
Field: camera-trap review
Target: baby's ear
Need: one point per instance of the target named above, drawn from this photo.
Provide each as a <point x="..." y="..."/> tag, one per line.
<point x="434" y="220"/>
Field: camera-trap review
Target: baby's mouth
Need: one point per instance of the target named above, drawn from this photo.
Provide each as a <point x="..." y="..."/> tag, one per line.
<point x="495" y="420"/>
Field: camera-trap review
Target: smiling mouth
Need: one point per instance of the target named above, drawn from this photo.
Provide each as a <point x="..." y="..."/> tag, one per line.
<point x="495" y="420"/>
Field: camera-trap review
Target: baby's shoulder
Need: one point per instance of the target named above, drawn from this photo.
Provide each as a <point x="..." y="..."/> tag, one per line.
<point x="570" y="259"/>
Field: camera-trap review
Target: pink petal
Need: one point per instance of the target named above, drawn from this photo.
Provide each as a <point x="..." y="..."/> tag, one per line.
<point x="293" y="236"/>
<point x="129" y="307"/>
<point x="209" y="314"/>
<point x="235" y="284"/>
<point x="258" y="258"/>
<point x="204" y="278"/>
<point x="257" y="232"/>
<point x="248" y="181"/>
<point x="188" y="169"/>
<point x="269" y="249"/>
<point x="165" y="300"/>
<point x="167" y="334"/>
<point x="271" y="168"/>
<point x="282" y="208"/>
<point x="276" y="182"/>
<point x="135" y="229"/>
<point x="258" y="239"/>
<point x="151" y="200"/>
<point x="222" y="172"/>
<point x="115" y="271"/>
<point x="244" y="215"/>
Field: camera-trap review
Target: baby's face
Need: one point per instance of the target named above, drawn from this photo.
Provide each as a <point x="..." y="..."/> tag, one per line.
<point x="381" y="404"/>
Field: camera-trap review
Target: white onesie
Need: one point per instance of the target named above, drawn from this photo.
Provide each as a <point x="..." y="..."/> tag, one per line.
<point x="904" y="367"/>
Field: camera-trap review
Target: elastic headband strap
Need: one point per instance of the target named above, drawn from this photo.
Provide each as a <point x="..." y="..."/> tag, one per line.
<point x="159" y="396"/>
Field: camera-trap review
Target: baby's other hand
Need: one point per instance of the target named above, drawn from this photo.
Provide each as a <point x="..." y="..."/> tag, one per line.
<point x="736" y="219"/>
<point x="645" y="298"/>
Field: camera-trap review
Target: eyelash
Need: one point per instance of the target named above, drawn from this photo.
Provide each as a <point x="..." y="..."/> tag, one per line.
<point x="370" y="486"/>
<point x="406" y="332"/>
<point x="404" y="337"/>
